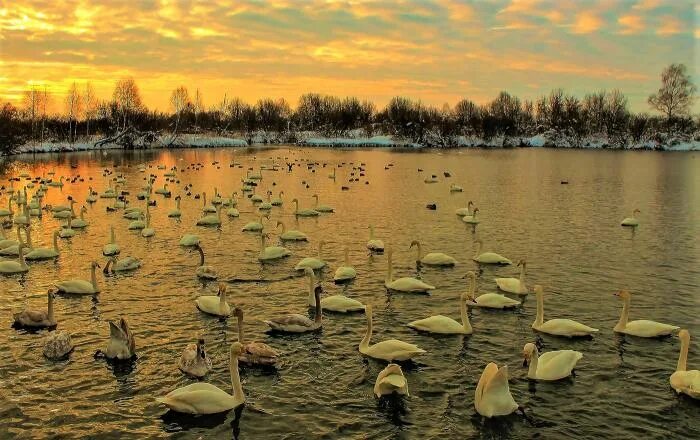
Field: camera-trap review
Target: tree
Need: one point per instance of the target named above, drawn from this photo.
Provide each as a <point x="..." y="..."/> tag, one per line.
<point x="676" y="94"/>
<point x="127" y="98"/>
<point x="197" y="106"/>
<point x="31" y="101"/>
<point x="10" y="129"/>
<point x="89" y="106"/>
<point x="180" y="100"/>
<point x="73" y="107"/>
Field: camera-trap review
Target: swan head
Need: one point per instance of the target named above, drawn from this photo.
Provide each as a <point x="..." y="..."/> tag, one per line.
<point x="236" y="349"/>
<point x="684" y="335"/>
<point x="475" y="211"/>
<point x="238" y="312"/>
<point x="222" y="289"/>
<point x="528" y="349"/>
<point x="200" y="349"/>
<point x="295" y="201"/>
<point x="471" y="275"/>
<point x="538" y="289"/>
<point x="95" y="265"/>
<point x="522" y="262"/>
<point x="279" y="223"/>
<point x="636" y="211"/>
<point x="624" y="294"/>
<point x="414" y="243"/>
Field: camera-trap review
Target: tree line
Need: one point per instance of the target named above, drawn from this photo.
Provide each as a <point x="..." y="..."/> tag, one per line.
<point x="603" y="113"/>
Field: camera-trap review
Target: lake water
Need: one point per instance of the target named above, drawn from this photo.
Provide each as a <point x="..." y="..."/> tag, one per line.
<point x="569" y="234"/>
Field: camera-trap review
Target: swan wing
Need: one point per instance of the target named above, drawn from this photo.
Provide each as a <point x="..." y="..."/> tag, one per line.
<point x="408" y="284"/>
<point x="687" y="382"/>
<point x="511" y="285"/>
<point x="566" y="327"/>
<point x="394" y="349"/>
<point x="290" y="322"/>
<point x="494" y="301"/>
<point x="648" y="329"/>
<point x="496" y="397"/>
<point x="341" y="303"/>
<point x="260" y="349"/>
<point x="438" y="324"/>
<point x="555" y="365"/>
<point x="34" y="316"/>
<point x="201" y="400"/>
<point x="75" y="286"/>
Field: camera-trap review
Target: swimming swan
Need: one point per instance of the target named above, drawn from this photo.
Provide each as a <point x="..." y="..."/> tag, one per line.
<point x="374" y="245"/>
<point x="214" y="304"/>
<point x="291" y="235"/>
<point x="683" y="380"/>
<point x="631" y="221"/>
<point x="194" y="360"/>
<point x="204" y="271"/>
<point x="642" y="328"/>
<point x="445" y="325"/>
<point x="254" y="353"/>
<point x="471" y="219"/>
<point x="37" y="318"/>
<point x="314" y="263"/>
<point x="11" y="267"/>
<point x="514" y="285"/>
<point x="488" y="300"/>
<point x="334" y="303"/>
<point x="553" y="365"/>
<point x="432" y="258"/>
<point x="465" y="211"/>
<point x="44" y="253"/>
<point x="81" y="287"/>
<point x="321" y="208"/>
<point x="303" y="212"/>
<point x="295" y="323"/>
<point x="388" y="350"/>
<point x="405" y="284"/>
<point x="111" y="248"/>
<point x="121" y="265"/>
<point x="557" y="327"/>
<point x="345" y="272"/>
<point x="121" y="345"/>
<point x="270" y="253"/>
<point x="391" y="381"/>
<point x="492" y="397"/>
<point x="488" y="257"/>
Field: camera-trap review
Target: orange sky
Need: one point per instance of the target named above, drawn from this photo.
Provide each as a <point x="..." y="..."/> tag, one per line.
<point x="435" y="50"/>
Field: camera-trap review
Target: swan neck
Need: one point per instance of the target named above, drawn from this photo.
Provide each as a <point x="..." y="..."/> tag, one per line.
<point x="523" y="288"/>
<point x="478" y="250"/>
<point x="534" y="360"/>
<point x="419" y="249"/>
<point x="390" y="269"/>
<point x="55" y="242"/>
<point x="347" y="257"/>
<point x="466" y="325"/>
<point x="236" y="379"/>
<point x="50" y="308"/>
<point x="240" y="328"/>
<point x="93" y="277"/>
<point x="319" y="310"/>
<point x="177" y="204"/>
<point x="683" y="358"/>
<point x="112" y="238"/>
<point x="312" y="298"/>
<point x="624" y="317"/>
<point x="201" y="256"/>
<point x="472" y="287"/>
<point x="364" y="344"/>
<point x="222" y="300"/>
<point x="539" y="319"/>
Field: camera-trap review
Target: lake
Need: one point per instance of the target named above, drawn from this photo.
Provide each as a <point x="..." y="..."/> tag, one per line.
<point x="570" y="235"/>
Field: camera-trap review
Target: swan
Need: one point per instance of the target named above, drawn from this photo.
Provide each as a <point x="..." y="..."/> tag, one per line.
<point x="121" y="345"/>
<point x="321" y="208"/>
<point x="203" y="398"/>
<point x="11" y="267"/>
<point x="233" y="212"/>
<point x="642" y="327"/>
<point x="4" y="242"/>
<point x="204" y="271"/>
<point x="278" y="201"/>
<point x="303" y="212"/>
<point x="266" y="206"/>
<point x="291" y="235"/>
<point x="488" y="300"/>
<point x="391" y="381"/>
<point x="405" y="284"/>
<point x="7" y="212"/>
<point x="455" y="188"/>
<point x="207" y="208"/>
<point x="296" y="323"/>
<point x="514" y="285"/>
<point x="13" y="250"/>
<point x="256" y="176"/>
<point x="471" y="219"/>
<point x="164" y="190"/>
<point x="194" y="360"/>
<point x="631" y="221"/>
<point x="388" y="350"/>
<point x="253" y="226"/>
<point x="488" y="257"/>
<point x="55" y="183"/>
<point x="189" y="240"/>
<point x="121" y="265"/>
<point x="37" y="318"/>
<point x="23" y="219"/>
<point x="332" y="175"/>
<point x="133" y="213"/>
<point x="137" y="224"/>
<point x="553" y="365"/>
<point x="211" y="219"/>
<point x="148" y="231"/>
<point x="492" y="396"/>
<point x="57" y="345"/>
<point x="80" y="223"/>
<point x="270" y="253"/>
<point x="214" y="304"/>
<point x="444" y="325"/>
<point x="176" y="212"/>
<point x="334" y="303"/>
<point x="44" y="253"/>
<point x="683" y="380"/>
<point x="433" y="258"/>
<point x="81" y="287"/>
<point x="61" y="213"/>
<point x="374" y="245"/>
<point x="232" y="202"/>
<point x="216" y="200"/>
<point x="311" y="262"/>
<point x="111" y="248"/>
<point x="67" y="230"/>
<point x="557" y="327"/>
<point x="91" y="197"/>
<point x="254" y="353"/>
<point x="345" y="272"/>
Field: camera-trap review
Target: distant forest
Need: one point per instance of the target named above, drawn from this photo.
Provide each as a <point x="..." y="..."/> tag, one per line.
<point x="124" y="119"/>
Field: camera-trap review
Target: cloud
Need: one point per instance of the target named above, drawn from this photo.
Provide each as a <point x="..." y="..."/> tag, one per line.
<point x="631" y="24"/>
<point x="586" y="22"/>
<point x="669" y="25"/>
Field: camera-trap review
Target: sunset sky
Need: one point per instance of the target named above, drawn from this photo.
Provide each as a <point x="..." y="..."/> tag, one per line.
<point x="436" y="50"/>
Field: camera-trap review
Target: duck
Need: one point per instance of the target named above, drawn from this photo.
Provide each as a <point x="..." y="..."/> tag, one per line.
<point x="253" y="226"/>
<point x="271" y="253"/>
<point x="121" y="345"/>
<point x="391" y="381"/>
<point x="111" y="248"/>
<point x="405" y="284"/>
<point x="471" y="219"/>
<point x="80" y="223"/>
<point x="321" y="208"/>
<point x="122" y="265"/>
<point x="12" y="267"/>
<point x="44" y="253"/>
<point x="204" y="271"/>
<point x="492" y="397"/>
<point x="558" y="327"/>
<point x="303" y="212"/>
<point x="432" y="258"/>
<point x="489" y="257"/>
<point x="254" y="353"/>
<point x="203" y="398"/>
<point x="296" y="323"/>
<point x="488" y="300"/>
<point x="642" y="328"/>
<point x="514" y="285"/>
<point x="81" y="287"/>
<point x="211" y="219"/>
<point x="631" y="221"/>
<point x="291" y="235"/>
<point x="57" y="345"/>
<point x="314" y="263"/>
<point x="444" y="325"/>
<point x="374" y="245"/>
<point x="194" y="360"/>
<point x="176" y="213"/>
<point x="345" y="272"/>
<point x="388" y="350"/>
<point x="37" y="318"/>
<point x="189" y="240"/>
<point x="215" y="304"/>
<point x="683" y="380"/>
<point x="553" y="365"/>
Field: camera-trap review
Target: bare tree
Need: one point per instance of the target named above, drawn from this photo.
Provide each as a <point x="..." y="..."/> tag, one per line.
<point x="179" y="100"/>
<point x="31" y="104"/>
<point x="677" y="92"/>
<point x="89" y="105"/>
<point x="73" y="107"/>
<point x="197" y="106"/>
<point x="127" y="98"/>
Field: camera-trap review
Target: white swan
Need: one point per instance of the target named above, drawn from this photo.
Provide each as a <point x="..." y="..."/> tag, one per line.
<point x="271" y="253"/>
<point x="391" y="381"/>
<point x="164" y="190"/>
<point x="13" y="250"/>
<point x="492" y="397"/>
<point x="5" y="242"/>
<point x="488" y="300"/>
<point x="405" y="284"/>
<point x="321" y="208"/>
<point x="455" y="188"/>
<point x="207" y="208"/>
<point x="211" y="219"/>
<point x="374" y="245"/>
<point x="266" y="206"/>
<point x="345" y="272"/>
<point x="174" y="213"/>
<point x="189" y="240"/>
<point x="558" y="327"/>
<point x="204" y="271"/>
<point x="296" y="323"/>
<point x="432" y="258"/>
<point x="138" y="224"/>
<point x="64" y="213"/>
<point x="314" y="263"/>
<point x="303" y="212"/>
<point x="683" y="380"/>
<point x="215" y="304"/>
<point x="44" y="253"/>
<point x="194" y="360"/>
<point x="514" y="285"/>
<point x="642" y="327"/>
<point x="81" y="287"/>
<point x="80" y="223"/>
<point x="12" y="267"/>
<point x="121" y="345"/>
<point x="253" y="226"/>
<point x="444" y="325"/>
<point x="148" y="231"/>
<point x="254" y="353"/>
<point x="66" y="230"/>
<point x="334" y="303"/>
<point x="553" y="365"/>
<point x="278" y="201"/>
<point x="111" y="248"/>
<point x="122" y="265"/>
<point x="488" y="257"/>
<point x="37" y="318"/>
<point x="471" y="219"/>
<point x="631" y="221"/>
<point x="291" y="235"/>
<point x="388" y="350"/>
<point x="57" y="345"/>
